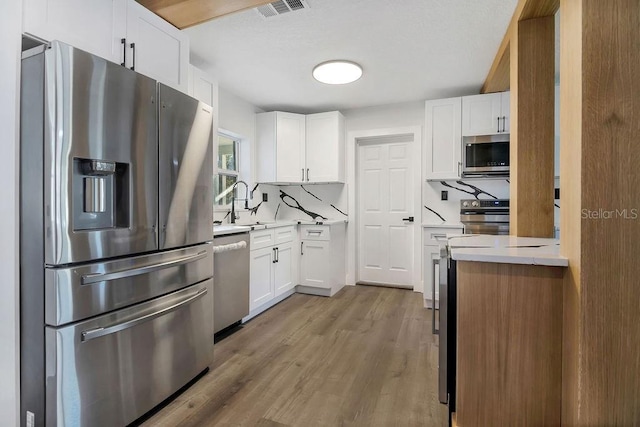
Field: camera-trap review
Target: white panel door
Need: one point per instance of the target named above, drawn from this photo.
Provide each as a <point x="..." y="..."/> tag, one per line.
<point x="482" y="114"/>
<point x="283" y="269"/>
<point x="385" y="196"/>
<point x="443" y="140"/>
<point x="261" y="277"/>
<point x="315" y="264"/>
<point x="161" y="51"/>
<point x="505" y="106"/>
<point x="290" y="147"/>
<point x="93" y="26"/>
<point x="325" y="147"/>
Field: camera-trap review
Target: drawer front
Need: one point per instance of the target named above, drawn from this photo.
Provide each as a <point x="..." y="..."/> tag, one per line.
<point x="315" y="232"/>
<point x="262" y="239"/>
<point x="80" y="292"/>
<point x="112" y="369"/>
<point x="284" y="234"/>
<point x="433" y="236"/>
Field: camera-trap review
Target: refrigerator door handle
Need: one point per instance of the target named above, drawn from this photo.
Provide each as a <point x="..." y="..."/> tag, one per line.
<point x="435" y="264"/>
<point x="100" y="332"/>
<point x="88" y="279"/>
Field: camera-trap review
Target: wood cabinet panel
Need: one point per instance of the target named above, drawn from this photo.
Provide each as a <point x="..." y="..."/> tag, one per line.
<point x="509" y="344"/>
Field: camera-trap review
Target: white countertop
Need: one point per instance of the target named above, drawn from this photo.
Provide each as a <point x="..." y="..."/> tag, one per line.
<point x="507" y="249"/>
<point x="223" y="230"/>
<point x="442" y="225"/>
<point x="241" y="227"/>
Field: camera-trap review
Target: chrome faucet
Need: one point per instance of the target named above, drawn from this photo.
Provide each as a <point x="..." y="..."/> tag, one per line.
<point x="233" y="199"/>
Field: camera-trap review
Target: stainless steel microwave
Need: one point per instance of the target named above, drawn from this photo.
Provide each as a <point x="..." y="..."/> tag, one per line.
<point x="486" y="155"/>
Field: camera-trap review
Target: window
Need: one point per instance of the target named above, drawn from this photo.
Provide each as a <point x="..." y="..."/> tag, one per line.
<point x="227" y="169"/>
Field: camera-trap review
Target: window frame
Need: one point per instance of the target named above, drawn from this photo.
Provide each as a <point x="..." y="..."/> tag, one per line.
<point x="228" y="172"/>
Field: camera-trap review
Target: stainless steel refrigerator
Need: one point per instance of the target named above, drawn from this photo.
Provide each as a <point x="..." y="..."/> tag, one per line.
<point x="116" y="229"/>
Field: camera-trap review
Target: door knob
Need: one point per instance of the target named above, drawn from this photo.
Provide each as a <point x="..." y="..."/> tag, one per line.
<point x="410" y="219"/>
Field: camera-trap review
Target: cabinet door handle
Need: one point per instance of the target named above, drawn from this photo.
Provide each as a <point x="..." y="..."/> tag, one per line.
<point x="307" y="174"/>
<point x="123" y="42"/>
<point x="277" y="255"/>
<point x="504" y="121"/>
<point x="274" y="260"/>
<point x="498" y="124"/>
<point x="301" y="248"/>
<point x="435" y="263"/>
<point x="459" y="169"/>
<point x="302" y="174"/>
<point x="133" y="47"/>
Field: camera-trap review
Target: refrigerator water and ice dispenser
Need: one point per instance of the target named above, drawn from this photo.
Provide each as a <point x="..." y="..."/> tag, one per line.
<point x="100" y="194"/>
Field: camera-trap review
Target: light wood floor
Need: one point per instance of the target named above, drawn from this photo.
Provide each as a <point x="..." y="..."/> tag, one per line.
<point x="365" y="357"/>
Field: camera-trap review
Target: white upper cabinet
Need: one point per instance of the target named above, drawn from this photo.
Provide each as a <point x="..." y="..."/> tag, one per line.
<point x="325" y="147"/>
<point x="294" y="148"/>
<point x="151" y="45"/>
<point x="506" y="107"/>
<point x="157" y="49"/>
<point x="93" y="26"/>
<point x="280" y="147"/>
<point x="443" y="142"/>
<point x="204" y="88"/>
<point x="486" y="114"/>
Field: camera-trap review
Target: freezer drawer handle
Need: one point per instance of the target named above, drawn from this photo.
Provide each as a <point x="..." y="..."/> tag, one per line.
<point x="88" y="279"/>
<point x="100" y="332"/>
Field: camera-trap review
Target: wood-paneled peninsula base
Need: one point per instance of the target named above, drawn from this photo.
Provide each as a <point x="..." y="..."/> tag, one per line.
<point x="509" y="364"/>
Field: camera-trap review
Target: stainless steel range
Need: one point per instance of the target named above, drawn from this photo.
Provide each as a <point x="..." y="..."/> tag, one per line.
<point x="116" y="289"/>
<point x="485" y="216"/>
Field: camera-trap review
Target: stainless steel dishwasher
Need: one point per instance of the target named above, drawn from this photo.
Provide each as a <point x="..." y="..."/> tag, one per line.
<point x="230" y="279"/>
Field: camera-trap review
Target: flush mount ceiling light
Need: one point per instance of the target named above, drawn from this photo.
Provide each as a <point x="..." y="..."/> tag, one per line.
<point x="337" y="72"/>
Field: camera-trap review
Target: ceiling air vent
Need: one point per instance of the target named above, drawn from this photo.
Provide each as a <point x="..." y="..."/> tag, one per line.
<point x="280" y="7"/>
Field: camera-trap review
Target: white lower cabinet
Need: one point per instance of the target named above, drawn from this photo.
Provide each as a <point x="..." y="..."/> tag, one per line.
<point x="277" y="255"/>
<point x="261" y="287"/>
<point x="272" y="267"/>
<point x="322" y="259"/>
<point x="315" y="264"/>
<point x="432" y="237"/>
<point x="283" y="269"/>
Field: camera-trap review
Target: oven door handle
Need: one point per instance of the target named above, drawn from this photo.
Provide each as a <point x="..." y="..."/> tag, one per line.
<point x="100" y="332"/>
<point x="88" y="279"/>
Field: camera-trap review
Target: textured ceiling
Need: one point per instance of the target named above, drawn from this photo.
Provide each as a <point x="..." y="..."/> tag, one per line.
<point x="409" y="49"/>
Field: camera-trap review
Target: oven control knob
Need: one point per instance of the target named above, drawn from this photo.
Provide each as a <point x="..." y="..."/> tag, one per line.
<point x="465" y="204"/>
<point x="475" y="203"/>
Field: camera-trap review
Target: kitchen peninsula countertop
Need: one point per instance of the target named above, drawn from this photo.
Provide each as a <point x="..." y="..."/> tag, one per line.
<point x="507" y="250"/>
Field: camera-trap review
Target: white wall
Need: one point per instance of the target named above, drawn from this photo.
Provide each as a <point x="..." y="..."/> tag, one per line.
<point x="386" y="116"/>
<point x="10" y="30"/>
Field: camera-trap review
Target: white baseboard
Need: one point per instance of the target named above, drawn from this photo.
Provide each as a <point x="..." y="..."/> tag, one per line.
<point x="267" y="305"/>
<point x="312" y="290"/>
